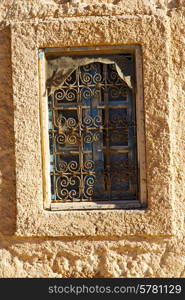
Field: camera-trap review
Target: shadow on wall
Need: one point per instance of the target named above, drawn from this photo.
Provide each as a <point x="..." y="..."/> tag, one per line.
<point x="174" y="3"/>
<point x="7" y="144"/>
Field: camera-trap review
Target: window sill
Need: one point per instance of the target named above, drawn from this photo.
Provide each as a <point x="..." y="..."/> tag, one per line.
<point x="132" y="204"/>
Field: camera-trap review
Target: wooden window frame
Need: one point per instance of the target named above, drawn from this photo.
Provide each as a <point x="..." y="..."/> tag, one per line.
<point x="141" y="202"/>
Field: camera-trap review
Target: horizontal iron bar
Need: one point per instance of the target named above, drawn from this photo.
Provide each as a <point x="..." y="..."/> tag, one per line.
<point x="88" y="107"/>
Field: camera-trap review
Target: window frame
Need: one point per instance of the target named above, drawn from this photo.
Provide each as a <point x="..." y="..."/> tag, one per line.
<point x="139" y="100"/>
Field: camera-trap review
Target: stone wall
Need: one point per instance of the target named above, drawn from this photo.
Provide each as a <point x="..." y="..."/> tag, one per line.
<point x="93" y="254"/>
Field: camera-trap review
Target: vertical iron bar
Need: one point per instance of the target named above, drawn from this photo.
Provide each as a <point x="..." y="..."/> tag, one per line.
<point x="54" y="147"/>
<point x="106" y="122"/>
<point x="79" y="114"/>
<point x="131" y="138"/>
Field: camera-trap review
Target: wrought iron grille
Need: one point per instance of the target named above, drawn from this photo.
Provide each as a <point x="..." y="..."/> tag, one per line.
<point x="92" y="133"/>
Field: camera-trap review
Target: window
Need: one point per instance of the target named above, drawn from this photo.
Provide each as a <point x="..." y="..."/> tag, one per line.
<point x="36" y="215"/>
<point x="93" y="123"/>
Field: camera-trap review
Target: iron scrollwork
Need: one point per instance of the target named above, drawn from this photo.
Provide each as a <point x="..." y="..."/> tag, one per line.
<point x="92" y="141"/>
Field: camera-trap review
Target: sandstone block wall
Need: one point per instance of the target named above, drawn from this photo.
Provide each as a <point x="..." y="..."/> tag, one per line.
<point x="147" y="244"/>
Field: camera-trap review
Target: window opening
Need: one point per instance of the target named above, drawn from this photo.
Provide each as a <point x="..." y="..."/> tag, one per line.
<point x="92" y="134"/>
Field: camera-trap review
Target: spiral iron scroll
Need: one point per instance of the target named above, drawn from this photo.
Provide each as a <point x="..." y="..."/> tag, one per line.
<point x="84" y="121"/>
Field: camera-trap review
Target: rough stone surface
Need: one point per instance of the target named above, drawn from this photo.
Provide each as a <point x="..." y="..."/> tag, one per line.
<point x="136" y="257"/>
<point x="146" y="244"/>
<point x="152" y="33"/>
<point x="7" y="140"/>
